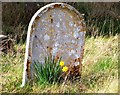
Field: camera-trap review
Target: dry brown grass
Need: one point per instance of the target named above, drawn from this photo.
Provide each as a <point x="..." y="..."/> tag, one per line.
<point x="99" y="74"/>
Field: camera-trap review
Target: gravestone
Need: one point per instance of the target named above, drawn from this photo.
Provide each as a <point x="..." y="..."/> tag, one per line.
<point x="56" y="29"/>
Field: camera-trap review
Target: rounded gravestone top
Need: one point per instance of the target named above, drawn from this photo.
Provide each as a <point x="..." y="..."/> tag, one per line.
<point x="57" y="30"/>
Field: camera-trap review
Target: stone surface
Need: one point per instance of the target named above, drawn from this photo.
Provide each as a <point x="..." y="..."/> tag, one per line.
<point x="57" y="30"/>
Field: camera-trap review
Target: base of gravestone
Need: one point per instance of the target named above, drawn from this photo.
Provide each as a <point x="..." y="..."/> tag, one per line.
<point x="73" y="74"/>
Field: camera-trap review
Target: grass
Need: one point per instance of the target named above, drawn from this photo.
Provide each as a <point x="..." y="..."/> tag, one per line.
<point x="99" y="72"/>
<point x="50" y="72"/>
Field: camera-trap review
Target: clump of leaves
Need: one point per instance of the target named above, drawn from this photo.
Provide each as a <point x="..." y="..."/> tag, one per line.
<point x="49" y="72"/>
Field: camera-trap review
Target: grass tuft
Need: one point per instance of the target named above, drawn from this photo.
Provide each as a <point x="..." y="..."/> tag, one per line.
<point x="49" y="71"/>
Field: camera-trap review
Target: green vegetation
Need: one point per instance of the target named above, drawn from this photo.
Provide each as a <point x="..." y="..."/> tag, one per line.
<point x="100" y="62"/>
<point x="99" y="73"/>
<point x="102" y="19"/>
<point x="50" y="72"/>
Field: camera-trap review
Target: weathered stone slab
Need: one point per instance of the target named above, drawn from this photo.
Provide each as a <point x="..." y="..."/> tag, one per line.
<point x="57" y="30"/>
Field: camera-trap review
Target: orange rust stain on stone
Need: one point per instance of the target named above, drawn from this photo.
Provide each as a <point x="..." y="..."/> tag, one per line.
<point x="34" y="25"/>
<point x="54" y="6"/>
<point x="57" y="58"/>
<point x="81" y="18"/>
<point x="57" y="5"/>
<point x="49" y="8"/>
<point x="74" y="71"/>
<point x="83" y="29"/>
<point x="77" y="60"/>
<point x="28" y="69"/>
<point x="31" y="31"/>
<point x="37" y="18"/>
<point x="29" y="54"/>
<point x="83" y="24"/>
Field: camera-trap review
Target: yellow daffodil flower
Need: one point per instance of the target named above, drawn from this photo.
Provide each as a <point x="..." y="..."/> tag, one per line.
<point x="61" y="63"/>
<point x="65" y="69"/>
